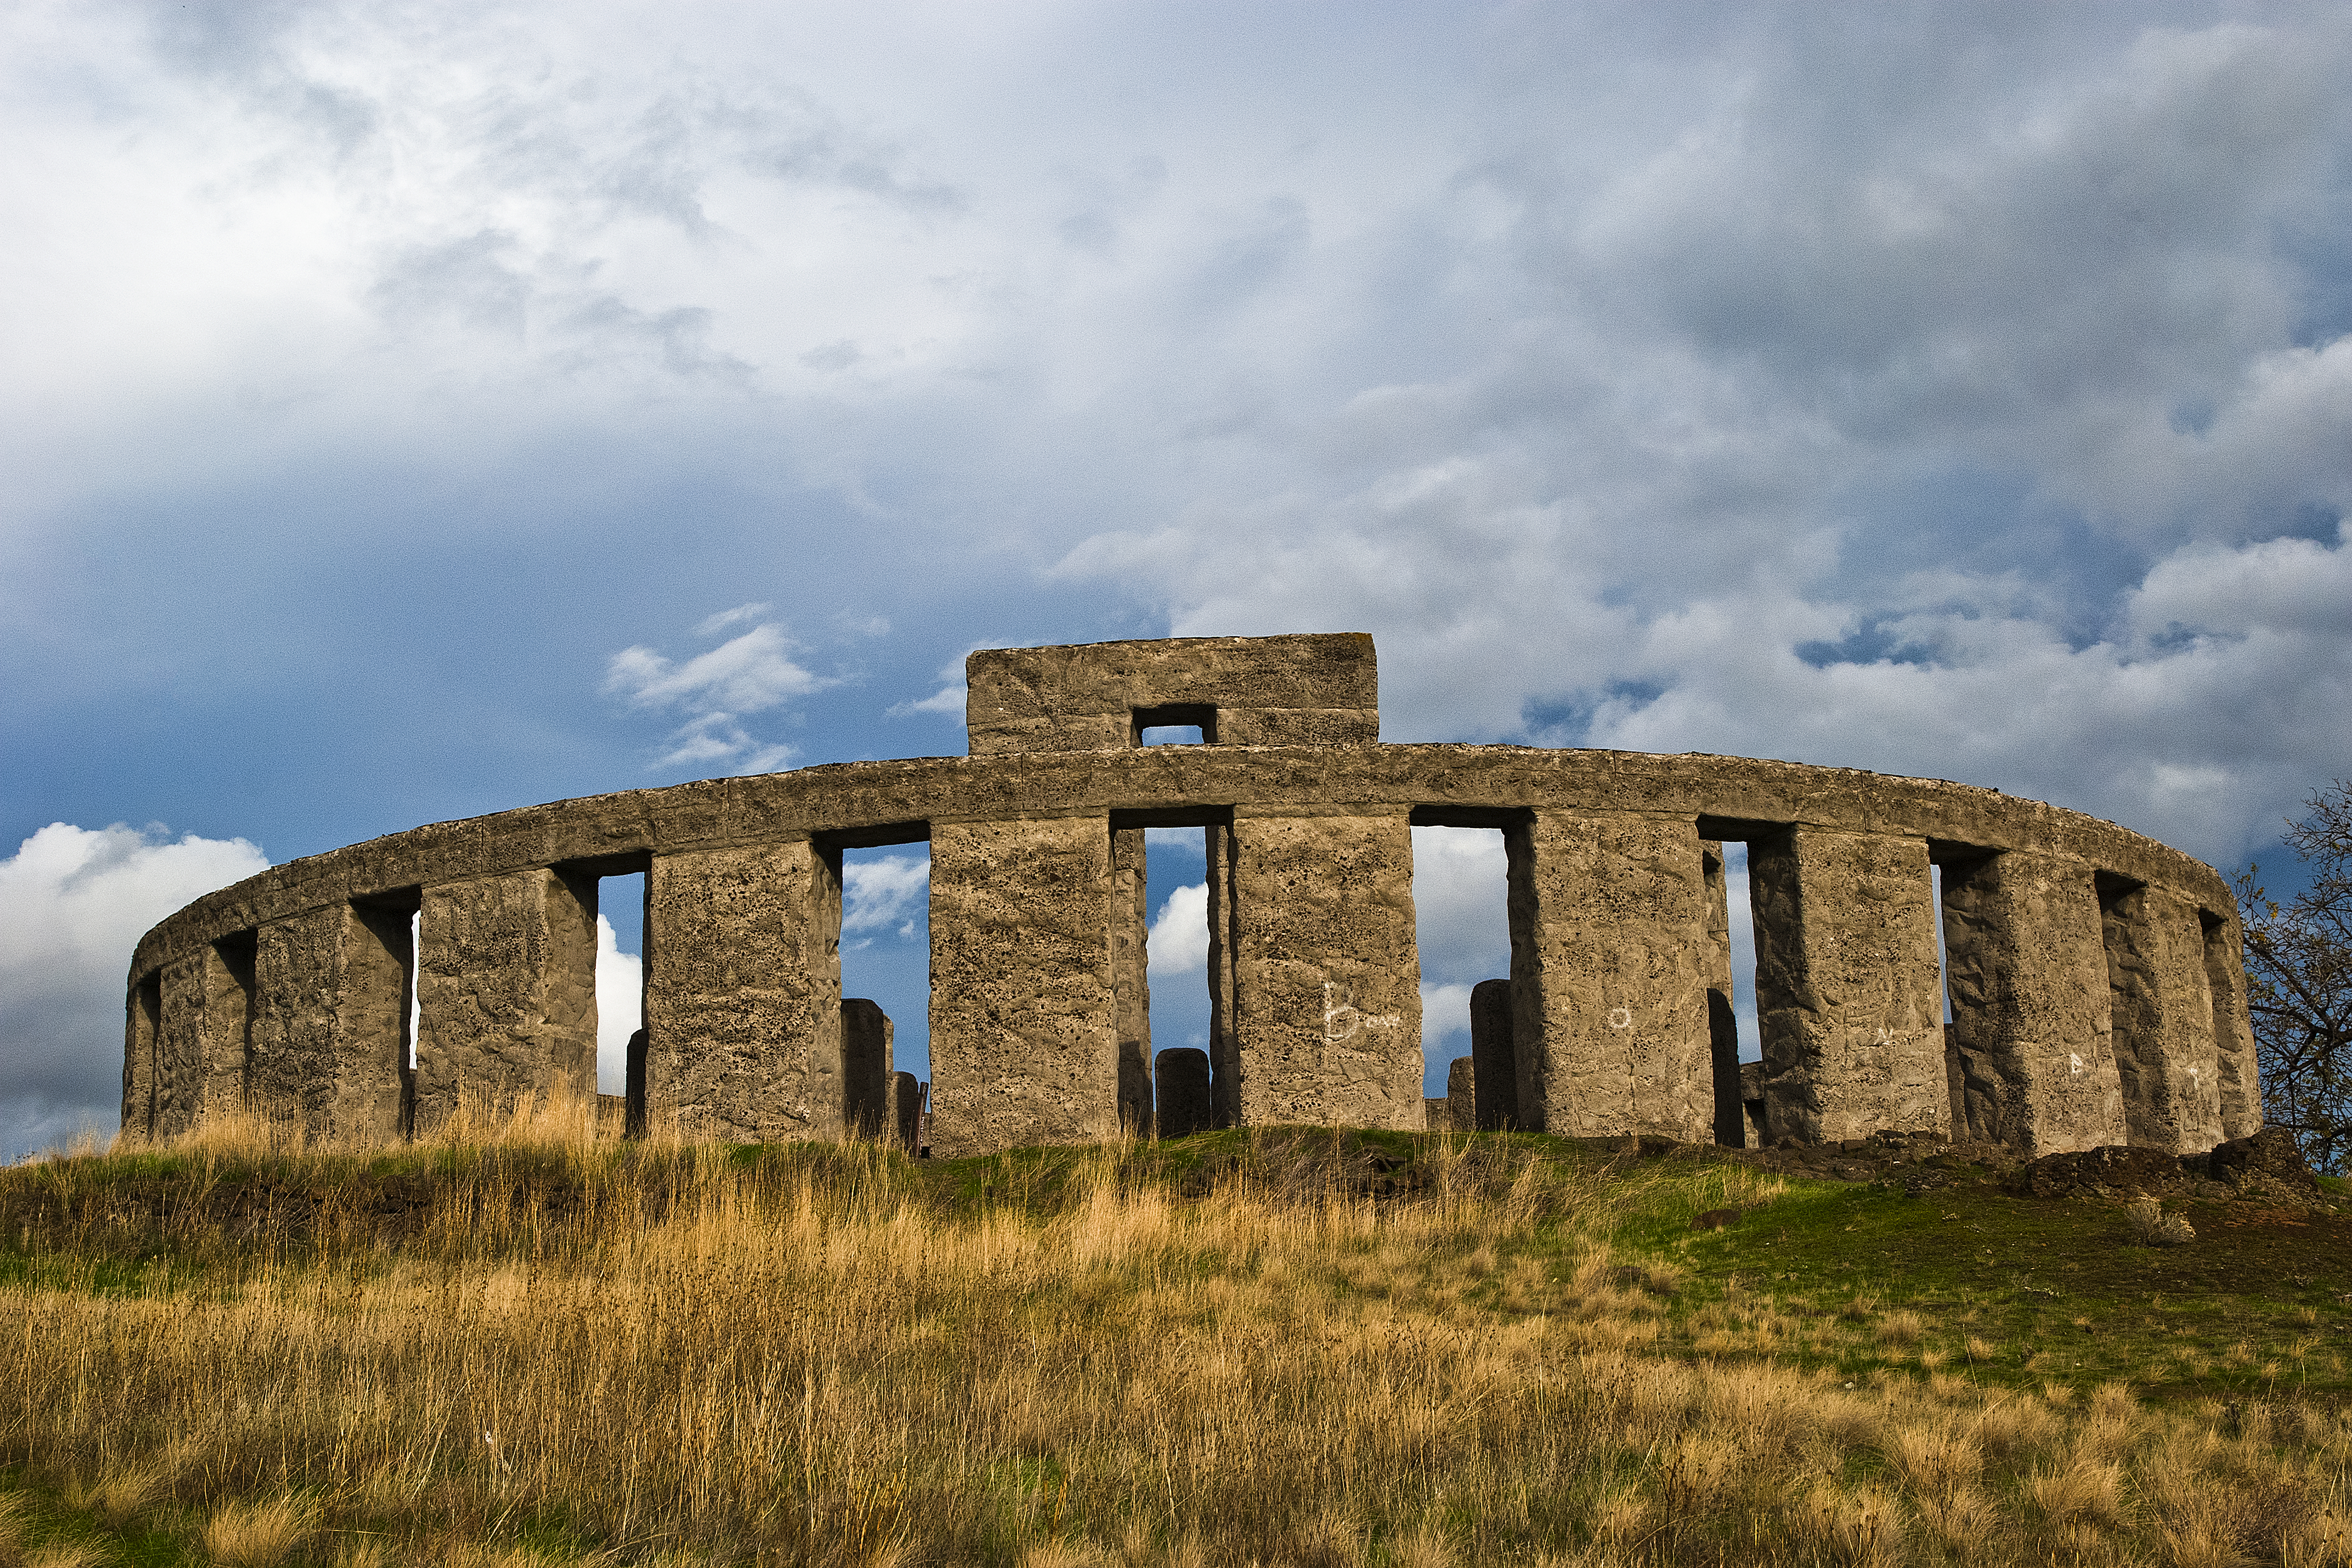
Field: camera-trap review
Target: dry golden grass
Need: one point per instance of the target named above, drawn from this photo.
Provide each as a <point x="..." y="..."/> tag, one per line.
<point x="580" y="1351"/>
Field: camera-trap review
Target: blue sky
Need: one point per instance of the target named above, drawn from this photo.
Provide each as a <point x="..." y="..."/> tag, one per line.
<point x="423" y="410"/>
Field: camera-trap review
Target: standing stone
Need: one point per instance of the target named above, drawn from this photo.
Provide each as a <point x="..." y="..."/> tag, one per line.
<point x="1722" y="1022"/>
<point x="1305" y="690"/>
<point x="1751" y="1103"/>
<point x="1494" y="1064"/>
<point x="2233" y="1030"/>
<point x="2163" y="1019"/>
<point x="142" y="1025"/>
<point x="1609" y="937"/>
<point x="2031" y="1038"/>
<point x="1224" y="1046"/>
<point x="866" y="1038"/>
<point x="1130" y="976"/>
<point x="1025" y="1047"/>
<point x="202" y="1040"/>
<point x="1326" y="978"/>
<point x="1183" y="1098"/>
<point x="633" y="1095"/>
<point x="1848" y="987"/>
<point x="329" y="1035"/>
<point x="906" y="1111"/>
<point x="1461" y="1101"/>
<point x="743" y="1009"/>
<point x="506" y="993"/>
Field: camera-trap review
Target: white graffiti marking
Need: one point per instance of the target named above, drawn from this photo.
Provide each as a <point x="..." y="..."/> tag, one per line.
<point x="1620" y="1017"/>
<point x="1341" y="1020"/>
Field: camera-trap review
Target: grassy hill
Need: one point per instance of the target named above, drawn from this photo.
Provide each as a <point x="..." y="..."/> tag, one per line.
<point x="525" y="1345"/>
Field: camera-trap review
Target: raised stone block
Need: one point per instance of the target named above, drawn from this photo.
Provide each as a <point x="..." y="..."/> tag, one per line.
<point x="1326" y="978"/>
<point x="1131" y="978"/>
<point x="1609" y="937"/>
<point x="1024" y="1047"/>
<point x="329" y="1031"/>
<point x="1183" y="1092"/>
<point x="1461" y="1101"/>
<point x="201" y="1041"/>
<point x="1312" y="689"/>
<point x="506" y="993"/>
<point x="1494" y="1064"/>
<point x="2233" y="1030"/>
<point x="1849" y="992"/>
<point x="2026" y="970"/>
<point x="743" y="1010"/>
<point x="866" y="1042"/>
<point x="906" y="1111"/>
<point x="143" y="1027"/>
<point x="2163" y="1018"/>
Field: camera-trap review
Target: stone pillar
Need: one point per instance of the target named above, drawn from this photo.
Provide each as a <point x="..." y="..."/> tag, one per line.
<point x="1025" y="1048"/>
<point x="2233" y="1030"/>
<point x="228" y="1023"/>
<point x="866" y="1035"/>
<point x="1609" y="937"/>
<point x="1326" y="1011"/>
<point x="143" y="1023"/>
<point x="329" y="1033"/>
<point x="506" y="987"/>
<point x="1848" y="987"/>
<point x="1722" y="1022"/>
<point x="632" y="1092"/>
<point x="2163" y="1019"/>
<point x="906" y="1111"/>
<point x="2031" y="1038"/>
<point x="1494" y="1064"/>
<point x="1461" y="1101"/>
<point x="1130" y="977"/>
<point x="743" y="1036"/>
<point x="1224" y="1046"/>
<point x="202" y="1038"/>
<point x="1183" y="1096"/>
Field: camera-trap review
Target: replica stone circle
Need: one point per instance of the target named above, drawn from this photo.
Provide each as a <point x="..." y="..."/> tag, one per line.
<point x="2096" y="977"/>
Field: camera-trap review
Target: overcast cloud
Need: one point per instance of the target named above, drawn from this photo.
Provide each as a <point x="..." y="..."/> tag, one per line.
<point x="426" y="410"/>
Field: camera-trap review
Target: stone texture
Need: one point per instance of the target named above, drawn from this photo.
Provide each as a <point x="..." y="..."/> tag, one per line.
<point x="1609" y="938"/>
<point x="1183" y="1092"/>
<point x="1849" y="994"/>
<point x="906" y="1111"/>
<point x="204" y="1014"/>
<point x="330" y="1039"/>
<point x="1751" y="1103"/>
<point x="1317" y="689"/>
<point x="743" y="993"/>
<point x="1024" y="1045"/>
<point x="1494" y="1064"/>
<point x="1220" y="847"/>
<point x="506" y="993"/>
<point x="2030" y="1039"/>
<point x="143" y="1024"/>
<point x="228" y="1023"/>
<point x="2233" y="1030"/>
<point x="1130" y="977"/>
<point x="866" y="1072"/>
<point x="2163" y="1019"/>
<point x="1326" y="1015"/>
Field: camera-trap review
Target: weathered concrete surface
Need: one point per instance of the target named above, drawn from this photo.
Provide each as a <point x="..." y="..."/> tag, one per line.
<point x="2031" y="1041"/>
<point x="865" y="1040"/>
<point x="1461" y="1103"/>
<point x="907" y="1110"/>
<point x="1849" y="998"/>
<point x="1609" y="943"/>
<point x="1224" y="1048"/>
<point x="743" y="993"/>
<point x="1183" y="1092"/>
<point x="2233" y="1030"/>
<point x="142" y="1025"/>
<point x="506" y="987"/>
<point x="331" y="1023"/>
<point x="1722" y="1020"/>
<point x="1326" y="978"/>
<point x="2163" y="1019"/>
<point x="1130" y="977"/>
<point x="1493" y="1063"/>
<point x="1319" y="690"/>
<point x="1025" y="1048"/>
<point x="199" y="1052"/>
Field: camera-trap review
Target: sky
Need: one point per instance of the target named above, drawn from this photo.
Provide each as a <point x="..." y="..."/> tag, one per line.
<point x="420" y="410"/>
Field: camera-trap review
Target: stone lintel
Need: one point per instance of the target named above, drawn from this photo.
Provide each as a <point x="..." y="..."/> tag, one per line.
<point x="506" y="993"/>
<point x="2031" y="1046"/>
<point x="1326" y="978"/>
<point x="744" y="1008"/>
<point x="1308" y="689"/>
<point x="1024" y="1045"/>
<point x="1608" y="950"/>
<point x="1848" y="986"/>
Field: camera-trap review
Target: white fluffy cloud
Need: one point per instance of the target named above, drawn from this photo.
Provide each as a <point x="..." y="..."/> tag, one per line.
<point x="1178" y="941"/>
<point x="749" y="673"/>
<point x="620" y="1008"/>
<point x="74" y="902"/>
<point x="885" y="892"/>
